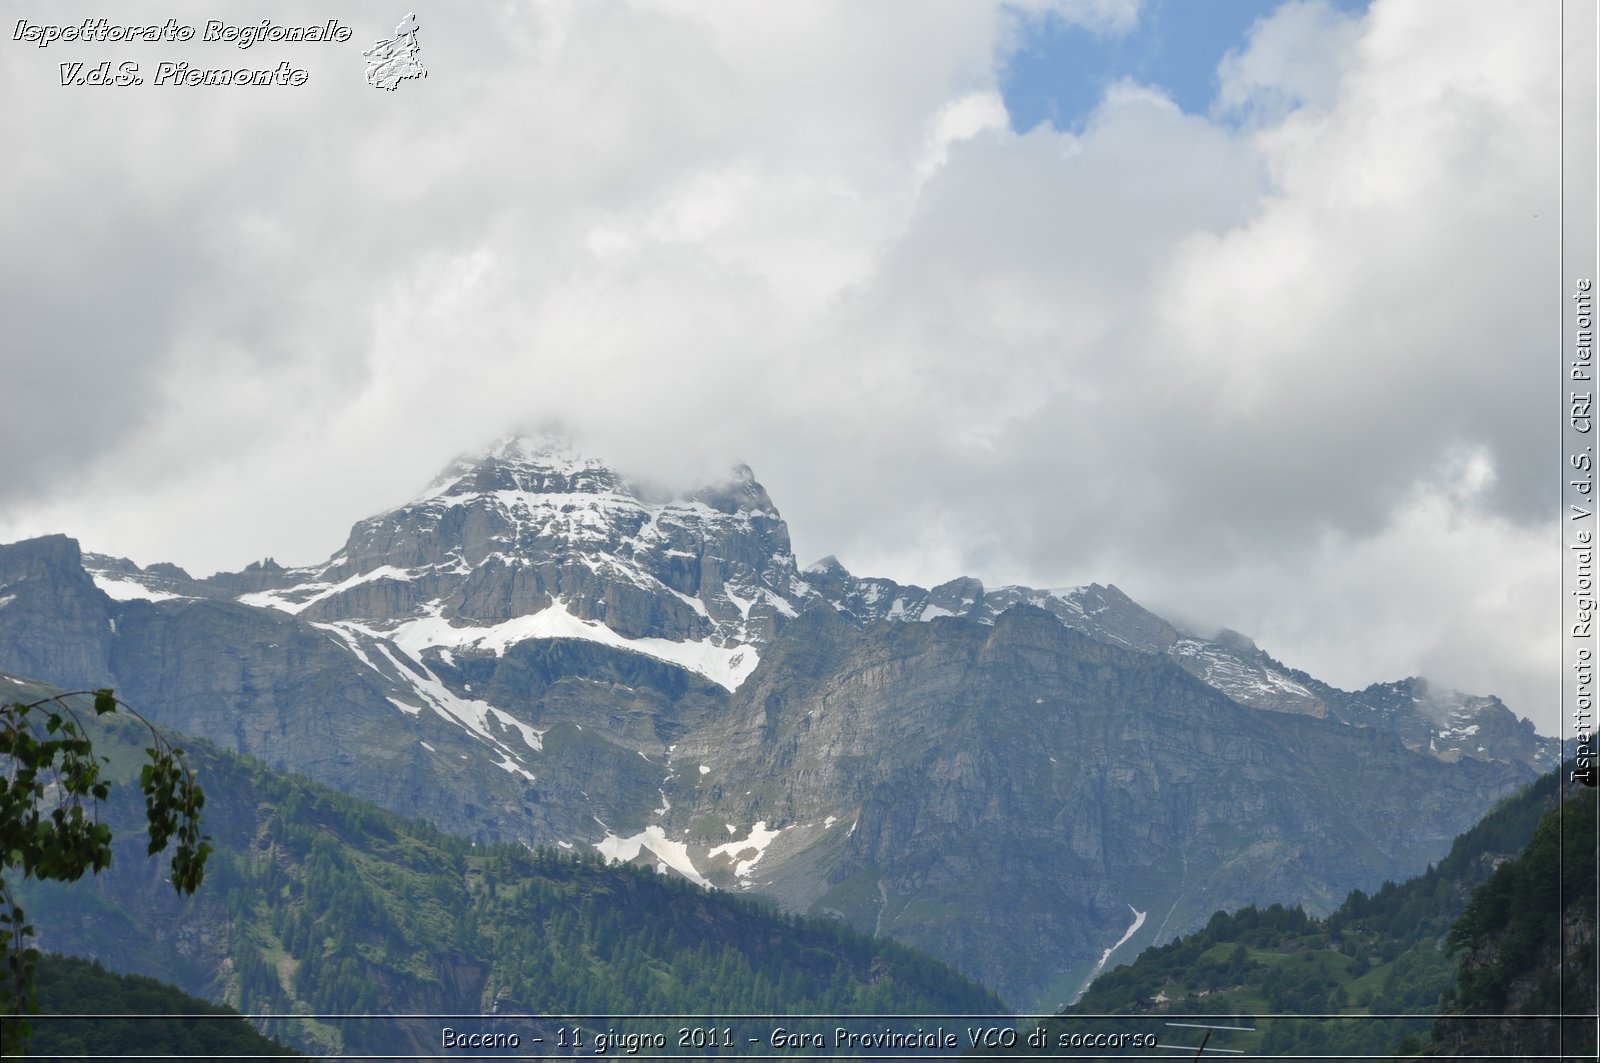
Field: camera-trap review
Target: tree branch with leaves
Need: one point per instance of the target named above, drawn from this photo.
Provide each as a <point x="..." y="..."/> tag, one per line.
<point x="50" y="827"/>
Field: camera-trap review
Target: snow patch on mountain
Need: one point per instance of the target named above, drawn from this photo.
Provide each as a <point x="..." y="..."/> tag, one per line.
<point x="296" y="599"/>
<point x="474" y="716"/>
<point x="758" y="840"/>
<point x="727" y="666"/>
<point x="674" y="854"/>
<point x="416" y="679"/>
<point x="1247" y="682"/>
<point x="1105" y="957"/>
<point x="126" y="590"/>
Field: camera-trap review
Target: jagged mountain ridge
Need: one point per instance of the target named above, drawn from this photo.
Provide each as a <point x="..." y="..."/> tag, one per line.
<point x="534" y="649"/>
<point x="534" y="540"/>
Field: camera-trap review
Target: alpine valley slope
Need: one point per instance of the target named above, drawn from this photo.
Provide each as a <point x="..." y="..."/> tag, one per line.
<point x="534" y="649"/>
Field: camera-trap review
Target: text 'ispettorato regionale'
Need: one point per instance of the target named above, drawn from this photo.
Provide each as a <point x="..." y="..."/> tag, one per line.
<point x="242" y="35"/>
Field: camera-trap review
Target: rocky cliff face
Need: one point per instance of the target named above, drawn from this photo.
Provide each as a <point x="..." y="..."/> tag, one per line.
<point x="535" y="649"/>
<point x="909" y="778"/>
<point x="54" y="622"/>
<point x="1445" y="724"/>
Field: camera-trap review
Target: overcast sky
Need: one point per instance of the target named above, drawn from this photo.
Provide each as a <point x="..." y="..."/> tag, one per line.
<point x="1251" y="322"/>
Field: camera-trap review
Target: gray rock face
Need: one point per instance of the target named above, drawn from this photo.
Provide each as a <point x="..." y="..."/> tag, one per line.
<point x="1016" y="788"/>
<point x="1444" y="724"/>
<point x="55" y="623"/>
<point x="536" y="650"/>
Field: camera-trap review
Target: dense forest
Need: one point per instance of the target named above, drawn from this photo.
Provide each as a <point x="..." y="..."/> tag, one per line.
<point x="1527" y="948"/>
<point x="160" y="1020"/>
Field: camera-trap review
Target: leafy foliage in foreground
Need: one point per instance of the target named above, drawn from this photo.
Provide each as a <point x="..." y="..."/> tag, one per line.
<point x="69" y="986"/>
<point x="1380" y="955"/>
<point x="51" y="792"/>
<point x="318" y="903"/>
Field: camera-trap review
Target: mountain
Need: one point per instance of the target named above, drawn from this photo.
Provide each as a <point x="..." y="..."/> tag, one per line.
<point x="531" y="540"/>
<point x="317" y="905"/>
<point x="1376" y="956"/>
<point x="536" y="650"/>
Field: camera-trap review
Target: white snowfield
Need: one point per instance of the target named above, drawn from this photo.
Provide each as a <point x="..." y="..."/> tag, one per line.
<point x="126" y="590"/>
<point x="744" y="853"/>
<point x="727" y="666"/>
<point x="760" y="837"/>
<point x="1238" y="679"/>
<point x="279" y="599"/>
<point x="674" y="854"/>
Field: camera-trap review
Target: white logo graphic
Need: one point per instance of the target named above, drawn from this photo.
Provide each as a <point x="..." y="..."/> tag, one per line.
<point x="392" y="61"/>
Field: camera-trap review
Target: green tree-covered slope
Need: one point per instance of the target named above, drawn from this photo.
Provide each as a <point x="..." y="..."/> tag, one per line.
<point x="1527" y="948"/>
<point x="70" y="986"/>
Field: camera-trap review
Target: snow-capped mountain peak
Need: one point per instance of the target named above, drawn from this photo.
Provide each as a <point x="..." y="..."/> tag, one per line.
<point x="533" y="540"/>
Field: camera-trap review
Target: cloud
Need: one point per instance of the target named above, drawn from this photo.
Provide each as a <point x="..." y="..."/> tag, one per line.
<point x="1296" y="57"/>
<point x="1247" y="365"/>
<point x="1444" y="588"/>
